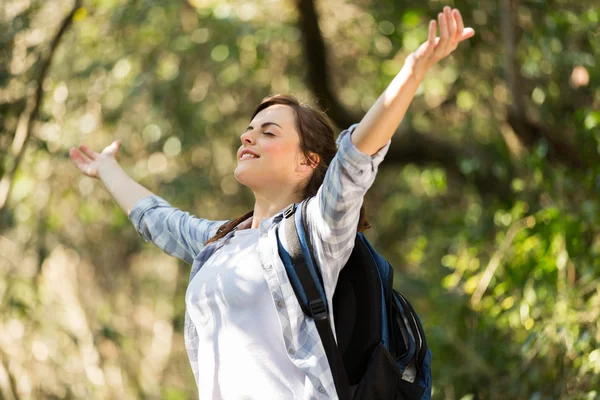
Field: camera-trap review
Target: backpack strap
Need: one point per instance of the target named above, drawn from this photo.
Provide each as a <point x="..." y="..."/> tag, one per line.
<point x="308" y="286"/>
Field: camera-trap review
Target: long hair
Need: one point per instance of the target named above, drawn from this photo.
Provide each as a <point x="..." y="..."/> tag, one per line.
<point x="317" y="137"/>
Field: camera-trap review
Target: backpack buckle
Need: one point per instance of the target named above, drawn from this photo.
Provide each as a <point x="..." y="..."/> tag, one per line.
<point x="289" y="211"/>
<point x="317" y="309"/>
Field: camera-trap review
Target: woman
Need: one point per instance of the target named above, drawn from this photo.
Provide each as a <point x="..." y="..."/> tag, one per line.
<point x="245" y="333"/>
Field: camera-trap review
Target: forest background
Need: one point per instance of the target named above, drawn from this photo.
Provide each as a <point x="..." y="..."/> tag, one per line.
<point x="487" y="204"/>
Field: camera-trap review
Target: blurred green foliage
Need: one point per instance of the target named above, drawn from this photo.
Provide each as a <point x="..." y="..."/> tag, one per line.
<point x="504" y="271"/>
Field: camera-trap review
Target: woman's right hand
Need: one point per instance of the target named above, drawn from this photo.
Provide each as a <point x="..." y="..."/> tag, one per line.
<point x="89" y="162"/>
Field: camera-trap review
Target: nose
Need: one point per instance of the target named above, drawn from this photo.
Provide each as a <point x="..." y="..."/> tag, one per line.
<point x="247" y="137"/>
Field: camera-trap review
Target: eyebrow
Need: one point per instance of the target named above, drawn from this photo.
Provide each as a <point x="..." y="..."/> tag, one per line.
<point x="264" y="125"/>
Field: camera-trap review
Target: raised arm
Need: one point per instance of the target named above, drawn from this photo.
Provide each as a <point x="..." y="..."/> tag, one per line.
<point x="333" y="213"/>
<point x="379" y="124"/>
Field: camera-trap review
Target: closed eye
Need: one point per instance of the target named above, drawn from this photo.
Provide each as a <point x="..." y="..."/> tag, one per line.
<point x="268" y="133"/>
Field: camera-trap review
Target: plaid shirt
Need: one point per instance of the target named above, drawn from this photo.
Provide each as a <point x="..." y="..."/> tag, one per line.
<point x="332" y="218"/>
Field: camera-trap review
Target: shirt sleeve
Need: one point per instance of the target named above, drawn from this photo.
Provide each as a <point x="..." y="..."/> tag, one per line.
<point x="176" y="232"/>
<point x="333" y="214"/>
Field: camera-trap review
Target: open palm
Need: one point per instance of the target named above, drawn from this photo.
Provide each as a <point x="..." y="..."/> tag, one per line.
<point x="88" y="161"/>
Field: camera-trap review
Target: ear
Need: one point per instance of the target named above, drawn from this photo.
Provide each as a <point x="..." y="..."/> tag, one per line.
<point x="312" y="161"/>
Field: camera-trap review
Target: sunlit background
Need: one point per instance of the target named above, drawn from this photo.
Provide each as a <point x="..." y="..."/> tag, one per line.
<point x="487" y="205"/>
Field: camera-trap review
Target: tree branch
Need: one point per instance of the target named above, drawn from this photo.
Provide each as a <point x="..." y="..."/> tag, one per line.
<point x="411" y="147"/>
<point x="8" y="384"/>
<point x="32" y="110"/>
<point x="510" y="60"/>
<point x="318" y="71"/>
<point x="528" y="132"/>
<point x="496" y="259"/>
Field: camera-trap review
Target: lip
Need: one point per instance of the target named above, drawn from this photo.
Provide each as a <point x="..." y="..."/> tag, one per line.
<point x="244" y="151"/>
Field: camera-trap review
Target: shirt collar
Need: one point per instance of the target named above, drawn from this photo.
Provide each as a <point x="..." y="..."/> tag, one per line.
<point x="266" y="223"/>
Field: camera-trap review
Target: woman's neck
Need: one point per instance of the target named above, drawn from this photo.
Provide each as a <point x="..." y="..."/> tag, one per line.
<point x="266" y="206"/>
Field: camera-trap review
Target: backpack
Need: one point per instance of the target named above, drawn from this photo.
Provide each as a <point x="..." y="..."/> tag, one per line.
<point x="381" y="351"/>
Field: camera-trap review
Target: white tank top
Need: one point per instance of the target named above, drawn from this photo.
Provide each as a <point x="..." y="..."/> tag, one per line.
<point x="241" y="353"/>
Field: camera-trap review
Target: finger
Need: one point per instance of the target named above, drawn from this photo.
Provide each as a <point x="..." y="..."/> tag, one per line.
<point x="451" y="23"/>
<point x="432" y="34"/>
<point x="459" y="22"/>
<point x="79" y="159"/>
<point x="88" y="152"/>
<point x="113" y="148"/>
<point x="443" y="28"/>
<point x="467" y="33"/>
<point x="117" y="144"/>
<point x="428" y="48"/>
<point x="77" y="155"/>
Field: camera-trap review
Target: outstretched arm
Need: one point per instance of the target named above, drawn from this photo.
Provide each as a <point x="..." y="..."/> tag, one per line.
<point x="176" y="232"/>
<point x="379" y="124"/>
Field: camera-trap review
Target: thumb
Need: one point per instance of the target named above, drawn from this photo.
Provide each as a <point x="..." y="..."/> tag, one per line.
<point x="467" y="33"/>
<point x="113" y="148"/>
<point x="116" y="145"/>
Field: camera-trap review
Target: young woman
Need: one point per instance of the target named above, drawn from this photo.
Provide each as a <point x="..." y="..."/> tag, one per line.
<point x="245" y="333"/>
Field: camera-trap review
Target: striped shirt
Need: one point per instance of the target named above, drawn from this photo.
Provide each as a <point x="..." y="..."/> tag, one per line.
<point x="332" y="219"/>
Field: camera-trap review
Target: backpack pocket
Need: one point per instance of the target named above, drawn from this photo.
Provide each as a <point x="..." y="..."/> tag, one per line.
<point x="383" y="380"/>
<point x="417" y="335"/>
<point x="403" y="339"/>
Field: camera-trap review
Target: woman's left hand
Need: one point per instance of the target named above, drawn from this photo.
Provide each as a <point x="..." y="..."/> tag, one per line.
<point x="452" y="32"/>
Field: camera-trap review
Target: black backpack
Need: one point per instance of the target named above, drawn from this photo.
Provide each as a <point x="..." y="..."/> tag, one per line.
<point x="381" y="351"/>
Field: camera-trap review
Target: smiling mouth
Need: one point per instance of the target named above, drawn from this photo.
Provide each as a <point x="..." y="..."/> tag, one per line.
<point x="248" y="156"/>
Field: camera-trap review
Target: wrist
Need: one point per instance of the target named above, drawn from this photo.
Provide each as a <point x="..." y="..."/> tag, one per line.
<point x="408" y="77"/>
<point x="414" y="69"/>
<point x="106" y="167"/>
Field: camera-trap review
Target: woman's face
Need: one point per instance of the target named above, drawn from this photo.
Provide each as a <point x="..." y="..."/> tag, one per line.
<point x="270" y="155"/>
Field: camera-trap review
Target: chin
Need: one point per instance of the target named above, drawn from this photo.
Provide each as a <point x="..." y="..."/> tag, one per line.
<point x="255" y="181"/>
<point x="243" y="177"/>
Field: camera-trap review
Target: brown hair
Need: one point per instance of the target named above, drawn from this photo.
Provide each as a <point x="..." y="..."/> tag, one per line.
<point x="316" y="136"/>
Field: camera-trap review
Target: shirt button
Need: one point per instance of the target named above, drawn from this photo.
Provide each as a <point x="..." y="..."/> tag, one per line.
<point x="279" y="304"/>
<point x="291" y="351"/>
<point x="321" y="389"/>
